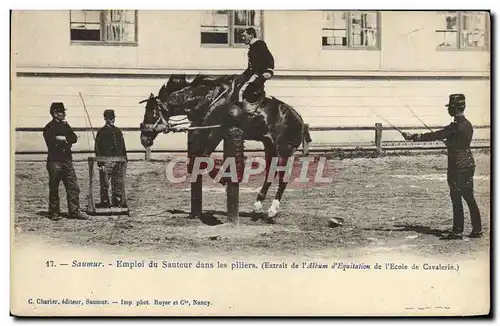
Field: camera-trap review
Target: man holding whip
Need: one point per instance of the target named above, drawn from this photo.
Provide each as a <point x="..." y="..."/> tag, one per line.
<point x="461" y="165"/>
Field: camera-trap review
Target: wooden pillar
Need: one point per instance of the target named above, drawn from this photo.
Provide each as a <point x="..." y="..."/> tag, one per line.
<point x="197" y="186"/>
<point x="234" y="147"/>
<point x="90" y="204"/>
<point x="124" y="183"/>
<point x="148" y="154"/>
<point x="378" y="137"/>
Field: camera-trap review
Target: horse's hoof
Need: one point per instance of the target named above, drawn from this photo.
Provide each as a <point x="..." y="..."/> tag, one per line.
<point x="257" y="206"/>
<point x="224" y="181"/>
<point x="255" y="218"/>
<point x="273" y="210"/>
<point x="271" y="220"/>
<point x="335" y="222"/>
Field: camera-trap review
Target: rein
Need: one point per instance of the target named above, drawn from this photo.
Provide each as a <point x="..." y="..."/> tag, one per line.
<point x="218" y="97"/>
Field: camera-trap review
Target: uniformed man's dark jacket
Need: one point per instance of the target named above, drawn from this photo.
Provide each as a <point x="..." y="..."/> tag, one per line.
<point x="59" y="150"/>
<point x="260" y="60"/>
<point x="458" y="135"/>
<point x="109" y="142"/>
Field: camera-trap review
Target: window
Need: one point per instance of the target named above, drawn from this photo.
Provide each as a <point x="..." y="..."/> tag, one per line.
<point x="225" y="26"/>
<point x="103" y="26"/>
<point x="462" y="30"/>
<point x="350" y="29"/>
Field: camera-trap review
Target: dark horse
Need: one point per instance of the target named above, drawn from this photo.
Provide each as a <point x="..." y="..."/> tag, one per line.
<point x="208" y="101"/>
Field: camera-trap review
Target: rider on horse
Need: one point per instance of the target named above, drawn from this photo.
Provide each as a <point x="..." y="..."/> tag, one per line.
<point x="260" y="68"/>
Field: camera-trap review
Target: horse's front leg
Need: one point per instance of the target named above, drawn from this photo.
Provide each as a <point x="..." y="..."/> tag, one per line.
<point x="270" y="152"/>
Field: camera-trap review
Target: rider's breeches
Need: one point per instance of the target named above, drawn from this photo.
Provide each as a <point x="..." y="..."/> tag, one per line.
<point x="253" y="84"/>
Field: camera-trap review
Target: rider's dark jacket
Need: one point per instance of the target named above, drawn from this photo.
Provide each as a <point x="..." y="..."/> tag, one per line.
<point x="260" y="59"/>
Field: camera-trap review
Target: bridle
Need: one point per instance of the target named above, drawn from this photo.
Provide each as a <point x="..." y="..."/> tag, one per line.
<point x="161" y="106"/>
<point x="160" y="120"/>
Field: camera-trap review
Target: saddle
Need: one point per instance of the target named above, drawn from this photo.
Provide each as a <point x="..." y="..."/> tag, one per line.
<point x="252" y="99"/>
<point x="250" y="107"/>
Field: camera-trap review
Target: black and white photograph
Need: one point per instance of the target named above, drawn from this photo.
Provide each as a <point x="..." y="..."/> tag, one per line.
<point x="250" y="162"/>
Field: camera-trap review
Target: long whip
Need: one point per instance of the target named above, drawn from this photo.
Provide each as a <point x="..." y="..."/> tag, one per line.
<point x="387" y="121"/>
<point x="87" y="114"/>
<point x="416" y="116"/>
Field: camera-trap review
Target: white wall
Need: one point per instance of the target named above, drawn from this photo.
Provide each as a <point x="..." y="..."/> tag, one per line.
<point x="171" y="40"/>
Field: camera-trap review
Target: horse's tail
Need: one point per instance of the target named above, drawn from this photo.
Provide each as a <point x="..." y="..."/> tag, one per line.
<point x="306" y="139"/>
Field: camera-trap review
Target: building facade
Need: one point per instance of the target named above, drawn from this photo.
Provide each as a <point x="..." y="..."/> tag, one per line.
<point x="337" y="68"/>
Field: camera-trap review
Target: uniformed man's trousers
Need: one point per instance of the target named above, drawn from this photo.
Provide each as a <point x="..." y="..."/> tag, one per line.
<point x="63" y="171"/>
<point x="111" y="171"/>
<point x="461" y="185"/>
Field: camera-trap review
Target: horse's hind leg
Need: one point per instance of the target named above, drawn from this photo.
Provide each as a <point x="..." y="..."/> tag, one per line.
<point x="270" y="152"/>
<point x="284" y="156"/>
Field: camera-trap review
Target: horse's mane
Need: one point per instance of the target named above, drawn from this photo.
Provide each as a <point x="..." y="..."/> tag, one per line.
<point x="178" y="81"/>
<point x="174" y="83"/>
<point x="210" y="81"/>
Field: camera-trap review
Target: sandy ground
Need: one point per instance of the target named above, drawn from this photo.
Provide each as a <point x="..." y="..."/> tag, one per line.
<point x="398" y="204"/>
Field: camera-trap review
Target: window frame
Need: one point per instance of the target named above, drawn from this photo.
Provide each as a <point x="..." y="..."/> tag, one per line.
<point x="231" y="27"/>
<point x="107" y="43"/>
<point x="460" y="46"/>
<point x="351" y="47"/>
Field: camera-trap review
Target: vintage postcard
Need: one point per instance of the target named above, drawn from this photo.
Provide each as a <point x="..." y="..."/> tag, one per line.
<point x="250" y="163"/>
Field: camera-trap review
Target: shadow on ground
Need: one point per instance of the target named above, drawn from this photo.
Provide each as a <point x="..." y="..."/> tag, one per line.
<point x="46" y="214"/>
<point x="209" y="217"/>
<point x="413" y="228"/>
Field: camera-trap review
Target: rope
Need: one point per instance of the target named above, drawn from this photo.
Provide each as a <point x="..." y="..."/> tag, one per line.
<point x="196" y="128"/>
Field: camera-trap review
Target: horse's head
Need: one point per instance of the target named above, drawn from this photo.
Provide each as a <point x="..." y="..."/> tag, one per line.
<point x="158" y="111"/>
<point x="155" y="120"/>
<point x="178" y="97"/>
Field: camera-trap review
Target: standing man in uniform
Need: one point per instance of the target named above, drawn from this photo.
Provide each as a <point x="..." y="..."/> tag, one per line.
<point x="461" y="166"/>
<point x="110" y="143"/>
<point x="59" y="137"/>
<point x="260" y="66"/>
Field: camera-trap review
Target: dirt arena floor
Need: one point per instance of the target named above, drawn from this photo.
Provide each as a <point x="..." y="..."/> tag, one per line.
<point x="392" y="203"/>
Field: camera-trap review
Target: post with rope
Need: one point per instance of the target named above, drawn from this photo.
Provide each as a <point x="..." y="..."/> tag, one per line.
<point x="378" y="137"/>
